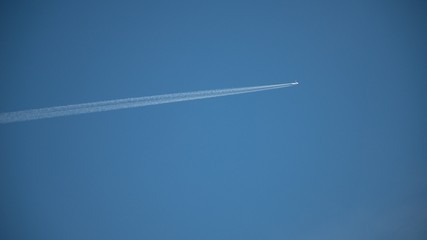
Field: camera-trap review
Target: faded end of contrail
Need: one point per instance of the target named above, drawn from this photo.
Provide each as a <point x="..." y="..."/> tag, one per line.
<point x="110" y="105"/>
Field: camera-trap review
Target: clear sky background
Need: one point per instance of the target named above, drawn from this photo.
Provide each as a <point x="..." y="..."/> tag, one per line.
<point x="341" y="156"/>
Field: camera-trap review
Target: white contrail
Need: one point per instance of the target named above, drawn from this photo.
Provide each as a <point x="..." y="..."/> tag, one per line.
<point x="101" y="106"/>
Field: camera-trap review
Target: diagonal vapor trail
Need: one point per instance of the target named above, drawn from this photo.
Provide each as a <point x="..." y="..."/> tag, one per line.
<point x="110" y="105"/>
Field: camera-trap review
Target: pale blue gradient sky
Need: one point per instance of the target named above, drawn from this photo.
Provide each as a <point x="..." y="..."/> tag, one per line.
<point x="341" y="156"/>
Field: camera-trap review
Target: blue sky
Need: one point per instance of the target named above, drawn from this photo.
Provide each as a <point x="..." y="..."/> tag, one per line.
<point x="341" y="156"/>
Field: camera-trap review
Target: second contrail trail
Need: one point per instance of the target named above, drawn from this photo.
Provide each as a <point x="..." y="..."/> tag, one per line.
<point x="109" y="105"/>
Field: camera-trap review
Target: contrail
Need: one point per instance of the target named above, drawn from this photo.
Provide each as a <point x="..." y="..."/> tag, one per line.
<point x="67" y="110"/>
